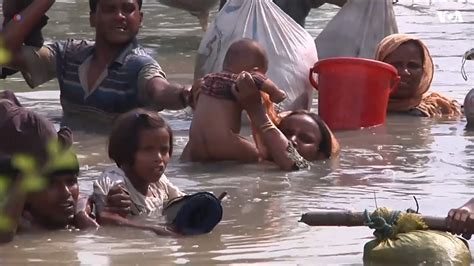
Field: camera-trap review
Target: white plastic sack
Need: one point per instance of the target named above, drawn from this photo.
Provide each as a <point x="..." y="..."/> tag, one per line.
<point x="291" y="50"/>
<point x="357" y="29"/>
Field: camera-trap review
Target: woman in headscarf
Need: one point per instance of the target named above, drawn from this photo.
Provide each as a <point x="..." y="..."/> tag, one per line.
<point x="410" y="56"/>
<point x="291" y="139"/>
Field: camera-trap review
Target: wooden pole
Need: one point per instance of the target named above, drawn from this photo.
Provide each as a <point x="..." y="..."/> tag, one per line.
<point x="348" y="218"/>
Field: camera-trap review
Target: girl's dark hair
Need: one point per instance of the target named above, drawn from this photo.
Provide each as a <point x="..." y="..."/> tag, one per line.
<point x="123" y="140"/>
<point x="93" y="5"/>
<point x="326" y="139"/>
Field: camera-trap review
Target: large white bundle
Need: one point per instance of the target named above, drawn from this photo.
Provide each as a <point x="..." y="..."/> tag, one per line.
<point x="291" y="50"/>
<point x="357" y="29"/>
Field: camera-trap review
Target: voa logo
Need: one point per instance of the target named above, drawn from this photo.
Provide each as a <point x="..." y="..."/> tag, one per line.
<point x="448" y="16"/>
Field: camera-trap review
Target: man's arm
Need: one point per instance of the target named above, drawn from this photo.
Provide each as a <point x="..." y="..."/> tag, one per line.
<point x="16" y="31"/>
<point x="108" y="218"/>
<point x="164" y="95"/>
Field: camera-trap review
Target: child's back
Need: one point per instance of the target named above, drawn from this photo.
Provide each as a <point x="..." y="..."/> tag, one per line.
<point x="214" y="133"/>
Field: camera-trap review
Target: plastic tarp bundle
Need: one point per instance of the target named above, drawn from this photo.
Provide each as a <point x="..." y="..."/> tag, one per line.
<point x="291" y="50"/>
<point x="198" y="8"/>
<point x="404" y="239"/>
<point x="357" y="29"/>
<point x="418" y="247"/>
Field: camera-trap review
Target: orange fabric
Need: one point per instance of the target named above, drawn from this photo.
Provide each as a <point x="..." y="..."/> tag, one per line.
<point x="274" y="117"/>
<point x="430" y="104"/>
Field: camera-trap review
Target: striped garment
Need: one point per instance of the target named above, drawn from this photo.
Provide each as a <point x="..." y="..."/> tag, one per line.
<point x="120" y="88"/>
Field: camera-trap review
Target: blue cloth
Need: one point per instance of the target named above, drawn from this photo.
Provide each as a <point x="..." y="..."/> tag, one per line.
<point x="199" y="214"/>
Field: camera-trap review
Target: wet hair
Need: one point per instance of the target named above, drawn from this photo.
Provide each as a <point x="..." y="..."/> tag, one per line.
<point x="54" y="169"/>
<point x="123" y="140"/>
<point x="93" y="5"/>
<point x="246" y="49"/>
<point x="326" y="139"/>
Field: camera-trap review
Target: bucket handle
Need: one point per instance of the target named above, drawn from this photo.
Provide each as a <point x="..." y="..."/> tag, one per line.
<point x="395" y="83"/>
<point x="311" y="78"/>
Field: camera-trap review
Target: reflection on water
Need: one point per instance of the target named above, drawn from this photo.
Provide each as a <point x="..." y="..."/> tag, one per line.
<point x="430" y="159"/>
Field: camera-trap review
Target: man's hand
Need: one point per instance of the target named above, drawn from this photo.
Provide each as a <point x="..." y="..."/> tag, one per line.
<point x="461" y="221"/>
<point x="83" y="221"/>
<point x="118" y="201"/>
<point x="195" y="92"/>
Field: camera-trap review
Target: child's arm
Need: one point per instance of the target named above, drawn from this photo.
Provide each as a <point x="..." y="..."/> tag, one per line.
<point x="115" y="219"/>
<point x="114" y="205"/>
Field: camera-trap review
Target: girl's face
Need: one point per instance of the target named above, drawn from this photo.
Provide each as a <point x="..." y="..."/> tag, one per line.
<point x="304" y="133"/>
<point x="153" y="154"/>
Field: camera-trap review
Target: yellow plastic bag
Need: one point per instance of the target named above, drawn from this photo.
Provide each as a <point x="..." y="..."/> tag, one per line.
<point x="404" y="239"/>
<point x="418" y="247"/>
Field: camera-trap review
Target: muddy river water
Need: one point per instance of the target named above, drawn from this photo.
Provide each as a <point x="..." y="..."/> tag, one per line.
<point x="431" y="159"/>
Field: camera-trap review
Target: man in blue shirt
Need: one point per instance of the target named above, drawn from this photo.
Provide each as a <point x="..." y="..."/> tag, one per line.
<point x="104" y="78"/>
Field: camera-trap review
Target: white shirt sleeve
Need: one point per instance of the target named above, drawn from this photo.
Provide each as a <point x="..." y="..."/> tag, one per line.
<point x="101" y="187"/>
<point x="172" y="191"/>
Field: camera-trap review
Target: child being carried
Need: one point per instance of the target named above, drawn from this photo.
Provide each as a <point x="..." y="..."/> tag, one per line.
<point x="214" y="133"/>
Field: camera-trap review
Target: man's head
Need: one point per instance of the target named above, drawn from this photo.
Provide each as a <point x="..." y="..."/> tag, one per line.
<point x="245" y="55"/>
<point x="54" y="205"/>
<point x="116" y="21"/>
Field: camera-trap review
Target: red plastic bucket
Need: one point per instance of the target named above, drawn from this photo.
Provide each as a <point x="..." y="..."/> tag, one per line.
<point x="353" y="92"/>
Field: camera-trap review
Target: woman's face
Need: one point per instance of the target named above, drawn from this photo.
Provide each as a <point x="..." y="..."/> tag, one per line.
<point x="304" y="133"/>
<point x="408" y="60"/>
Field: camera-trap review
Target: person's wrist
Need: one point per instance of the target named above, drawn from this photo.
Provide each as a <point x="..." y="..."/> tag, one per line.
<point x="259" y="119"/>
<point x="185" y="96"/>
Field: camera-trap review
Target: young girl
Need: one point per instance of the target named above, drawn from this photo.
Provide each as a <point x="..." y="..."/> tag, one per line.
<point x="141" y="144"/>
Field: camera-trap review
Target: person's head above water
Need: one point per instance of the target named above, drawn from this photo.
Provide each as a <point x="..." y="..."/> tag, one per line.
<point x="245" y="55"/>
<point x="411" y="58"/>
<point x="54" y="206"/>
<point x="117" y="22"/>
<point x="309" y="134"/>
<point x="141" y="144"/>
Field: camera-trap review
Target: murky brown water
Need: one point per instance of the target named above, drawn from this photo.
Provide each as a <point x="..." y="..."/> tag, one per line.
<point x="430" y="159"/>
